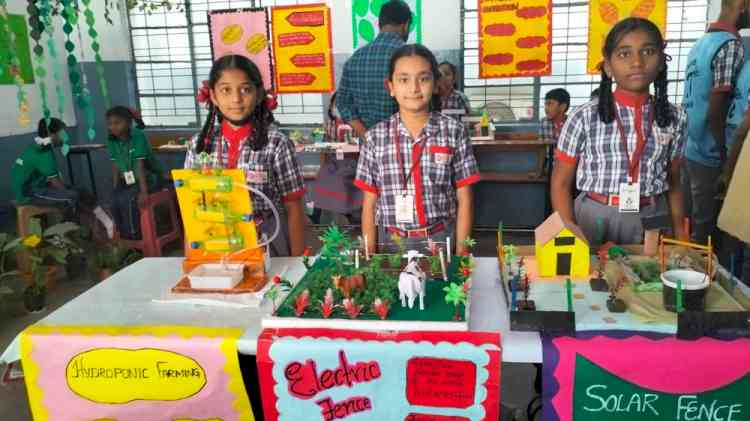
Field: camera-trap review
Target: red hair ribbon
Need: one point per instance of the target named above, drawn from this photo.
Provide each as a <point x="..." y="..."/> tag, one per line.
<point x="135" y="113"/>
<point x="204" y="93"/>
<point x="271" y="102"/>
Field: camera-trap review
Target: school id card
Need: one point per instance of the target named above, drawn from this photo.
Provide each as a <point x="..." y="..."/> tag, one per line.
<point x="630" y="197"/>
<point x="404" y="209"/>
<point x="129" y="177"/>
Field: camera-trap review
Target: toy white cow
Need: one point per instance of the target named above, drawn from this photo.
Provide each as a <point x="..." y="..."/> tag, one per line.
<point x="411" y="282"/>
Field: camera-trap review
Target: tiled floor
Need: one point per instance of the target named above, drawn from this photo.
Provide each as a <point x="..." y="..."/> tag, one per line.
<point x="517" y="379"/>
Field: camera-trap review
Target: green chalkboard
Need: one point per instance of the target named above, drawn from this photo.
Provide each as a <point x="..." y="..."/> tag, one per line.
<point x="17" y="24"/>
<point x="600" y="395"/>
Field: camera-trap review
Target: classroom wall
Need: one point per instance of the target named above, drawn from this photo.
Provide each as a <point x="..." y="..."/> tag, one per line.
<point x="115" y="52"/>
<point x="443" y="39"/>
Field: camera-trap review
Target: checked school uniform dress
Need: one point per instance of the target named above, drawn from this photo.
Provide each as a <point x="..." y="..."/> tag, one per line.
<point x="429" y="169"/>
<point x="549" y="130"/>
<point x="607" y="154"/>
<point x="333" y="189"/>
<point x="274" y="170"/>
<point x="456" y="100"/>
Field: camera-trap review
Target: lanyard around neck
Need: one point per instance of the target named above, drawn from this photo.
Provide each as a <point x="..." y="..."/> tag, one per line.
<point x="404" y="176"/>
<point x="641" y="140"/>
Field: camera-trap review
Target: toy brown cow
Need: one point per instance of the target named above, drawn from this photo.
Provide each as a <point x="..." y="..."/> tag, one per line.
<point x="348" y="284"/>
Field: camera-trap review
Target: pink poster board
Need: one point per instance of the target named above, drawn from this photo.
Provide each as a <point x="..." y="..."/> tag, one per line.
<point x="242" y="32"/>
<point x="131" y="374"/>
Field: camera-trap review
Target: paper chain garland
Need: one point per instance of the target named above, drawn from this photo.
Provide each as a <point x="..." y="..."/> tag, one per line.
<point x="37" y="28"/>
<point x="15" y="66"/>
<point x="70" y="15"/>
<point x="46" y="17"/>
<point x="90" y="21"/>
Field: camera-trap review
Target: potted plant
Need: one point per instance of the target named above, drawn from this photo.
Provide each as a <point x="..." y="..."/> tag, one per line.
<point x="8" y="244"/>
<point x="113" y="257"/>
<point x="46" y="249"/>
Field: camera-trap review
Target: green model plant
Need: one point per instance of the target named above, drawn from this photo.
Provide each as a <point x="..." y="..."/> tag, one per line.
<point x="337" y="248"/>
<point x="455" y="294"/>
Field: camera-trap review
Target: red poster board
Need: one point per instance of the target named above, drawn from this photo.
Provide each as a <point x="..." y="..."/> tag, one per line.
<point x="328" y="374"/>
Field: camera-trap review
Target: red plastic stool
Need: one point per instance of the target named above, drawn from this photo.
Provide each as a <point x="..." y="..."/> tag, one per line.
<point x="151" y="243"/>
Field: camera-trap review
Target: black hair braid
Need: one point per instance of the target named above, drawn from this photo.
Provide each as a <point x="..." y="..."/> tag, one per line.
<point x="261" y="119"/>
<point x="606" y="106"/>
<point x="42" y="130"/>
<point x="204" y="144"/>
<point x="436" y="104"/>
<point x="46" y="129"/>
<point x="663" y="110"/>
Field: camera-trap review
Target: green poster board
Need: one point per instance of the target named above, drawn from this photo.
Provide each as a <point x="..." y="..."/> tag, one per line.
<point x="600" y="395"/>
<point x="365" y="21"/>
<point x="17" y="24"/>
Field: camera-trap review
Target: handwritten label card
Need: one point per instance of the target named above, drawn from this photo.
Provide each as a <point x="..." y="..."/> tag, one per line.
<point x="440" y="382"/>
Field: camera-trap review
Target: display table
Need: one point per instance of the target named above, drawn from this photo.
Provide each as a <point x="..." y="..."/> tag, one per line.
<point x="127" y="299"/>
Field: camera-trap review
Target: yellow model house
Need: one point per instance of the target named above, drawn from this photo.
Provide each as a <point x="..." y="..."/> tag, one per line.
<point x="561" y="249"/>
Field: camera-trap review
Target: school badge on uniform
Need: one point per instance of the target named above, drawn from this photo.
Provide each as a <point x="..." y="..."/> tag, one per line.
<point x="663" y="138"/>
<point x="257" y="177"/>
<point x="441" y="158"/>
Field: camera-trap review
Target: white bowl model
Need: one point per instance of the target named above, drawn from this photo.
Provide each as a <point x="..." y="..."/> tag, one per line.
<point x="691" y="280"/>
<point x="694" y="285"/>
<point x="216" y="275"/>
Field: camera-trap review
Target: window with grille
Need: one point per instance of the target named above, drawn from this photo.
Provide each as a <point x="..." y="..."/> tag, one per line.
<point x="172" y="56"/>
<point x="686" y="22"/>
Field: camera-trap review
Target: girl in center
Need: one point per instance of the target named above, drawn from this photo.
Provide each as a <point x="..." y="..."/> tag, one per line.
<point x="240" y="133"/>
<point x="451" y="98"/>
<point x="416" y="168"/>
<point x="624" y="149"/>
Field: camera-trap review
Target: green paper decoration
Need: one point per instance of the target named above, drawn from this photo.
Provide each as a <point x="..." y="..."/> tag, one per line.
<point x="90" y="21"/>
<point x="37" y="28"/>
<point x="45" y="10"/>
<point x="20" y="48"/>
<point x="80" y="96"/>
<point x="15" y="64"/>
<point x="365" y="20"/>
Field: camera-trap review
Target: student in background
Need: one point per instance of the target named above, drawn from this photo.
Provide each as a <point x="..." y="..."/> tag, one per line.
<point x="713" y="65"/>
<point x="594" y="94"/>
<point x="240" y="133"/>
<point x="333" y="190"/>
<point x="36" y="180"/>
<point x="624" y="150"/>
<point x="135" y="170"/>
<point x="35" y="177"/>
<point x="362" y="99"/>
<point x="738" y="125"/>
<point x="416" y="168"/>
<point x="556" y="106"/>
<point x="450" y="97"/>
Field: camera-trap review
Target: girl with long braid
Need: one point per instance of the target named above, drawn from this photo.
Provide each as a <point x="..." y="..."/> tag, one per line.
<point x="240" y="133"/>
<point x="624" y="149"/>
